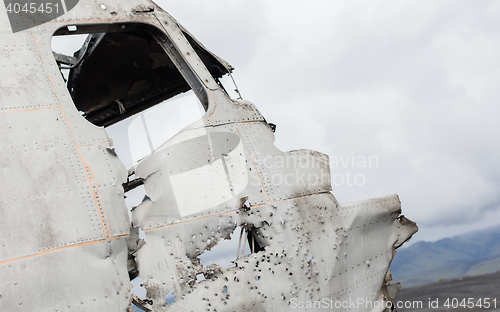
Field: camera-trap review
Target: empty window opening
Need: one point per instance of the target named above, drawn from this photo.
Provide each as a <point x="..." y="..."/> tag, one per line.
<point x="114" y="75"/>
<point x="115" y="71"/>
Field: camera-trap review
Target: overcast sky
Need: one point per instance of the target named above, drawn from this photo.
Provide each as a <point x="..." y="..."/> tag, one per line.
<point x="412" y="83"/>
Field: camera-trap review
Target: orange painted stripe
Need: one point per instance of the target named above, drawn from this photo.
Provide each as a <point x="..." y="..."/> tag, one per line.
<point x="95" y="198"/>
<point x="70" y="131"/>
<point x="215" y="103"/>
<point x="233" y="211"/>
<point x="62" y="248"/>
<point x="198" y="219"/>
<point x="94" y="144"/>
<point x="89" y="20"/>
<point x="28" y="110"/>
<point x="187" y="221"/>
<point x="100" y="200"/>
<point x="77" y="21"/>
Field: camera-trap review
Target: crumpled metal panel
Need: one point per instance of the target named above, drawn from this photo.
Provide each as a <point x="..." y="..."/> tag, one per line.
<point x="89" y="277"/>
<point x="315" y="250"/>
<point x="63" y="220"/>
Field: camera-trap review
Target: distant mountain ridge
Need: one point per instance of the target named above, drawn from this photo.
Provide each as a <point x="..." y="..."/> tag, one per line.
<point x="466" y="254"/>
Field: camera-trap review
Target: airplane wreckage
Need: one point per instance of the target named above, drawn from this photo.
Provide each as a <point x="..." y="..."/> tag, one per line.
<point x="67" y="242"/>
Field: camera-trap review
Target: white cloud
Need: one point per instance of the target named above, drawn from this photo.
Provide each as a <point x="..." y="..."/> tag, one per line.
<point x="413" y="83"/>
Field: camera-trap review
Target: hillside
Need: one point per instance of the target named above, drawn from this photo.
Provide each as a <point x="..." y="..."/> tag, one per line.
<point x="467" y="254"/>
<point x="481" y="293"/>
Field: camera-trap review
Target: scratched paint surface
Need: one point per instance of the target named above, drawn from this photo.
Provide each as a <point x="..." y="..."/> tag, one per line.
<point x="64" y="225"/>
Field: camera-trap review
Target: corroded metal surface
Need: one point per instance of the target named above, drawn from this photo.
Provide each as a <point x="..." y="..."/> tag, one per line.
<point x="65" y="234"/>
